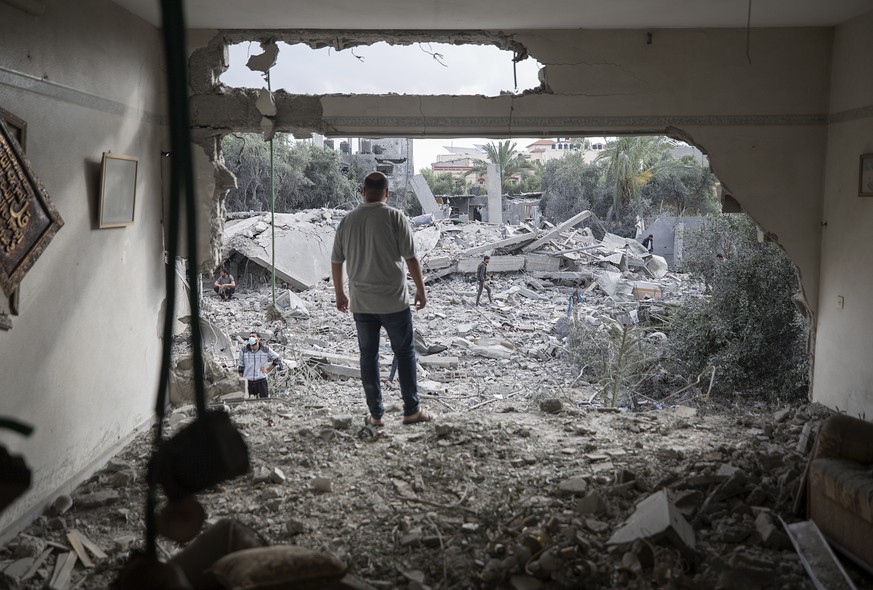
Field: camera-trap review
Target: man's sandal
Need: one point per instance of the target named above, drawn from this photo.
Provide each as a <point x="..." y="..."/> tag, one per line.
<point x="422" y="416"/>
<point x="370" y="421"/>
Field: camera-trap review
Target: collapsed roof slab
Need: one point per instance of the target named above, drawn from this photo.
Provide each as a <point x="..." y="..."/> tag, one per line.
<point x="302" y="248"/>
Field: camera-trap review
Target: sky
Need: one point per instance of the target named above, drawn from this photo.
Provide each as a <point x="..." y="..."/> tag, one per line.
<point x="425" y="68"/>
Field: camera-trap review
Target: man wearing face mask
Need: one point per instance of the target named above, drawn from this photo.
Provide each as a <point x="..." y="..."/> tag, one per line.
<point x="256" y="360"/>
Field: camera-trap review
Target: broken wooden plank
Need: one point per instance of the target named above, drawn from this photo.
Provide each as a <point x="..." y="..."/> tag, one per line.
<point x="91" y="546"/>
<point x="818" y="559"/>
<point x="491" y="246"/>
<point x="63" y="570"/>
<point x="37" y="564"/>
<point x="73" y="538"/>
<point x="549" y="236"/>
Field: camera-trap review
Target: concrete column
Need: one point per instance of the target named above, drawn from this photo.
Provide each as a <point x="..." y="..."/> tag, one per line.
<point x="495" y="195"/>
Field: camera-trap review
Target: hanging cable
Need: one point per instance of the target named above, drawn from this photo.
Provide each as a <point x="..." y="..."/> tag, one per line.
<point x="272" y="204"/>
<point x="181" y="180"/>
<point x="749" y="34"/>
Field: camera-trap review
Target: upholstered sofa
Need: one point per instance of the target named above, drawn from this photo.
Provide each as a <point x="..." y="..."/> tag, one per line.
<point x="840" y="486"/>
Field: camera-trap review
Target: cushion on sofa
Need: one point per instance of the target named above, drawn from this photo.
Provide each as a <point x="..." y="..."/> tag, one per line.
<point x="848" y="483"/>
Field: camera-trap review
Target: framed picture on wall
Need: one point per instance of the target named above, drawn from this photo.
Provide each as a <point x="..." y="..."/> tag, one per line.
<point x="117" y="190"/>
<point x="865" y="176"/>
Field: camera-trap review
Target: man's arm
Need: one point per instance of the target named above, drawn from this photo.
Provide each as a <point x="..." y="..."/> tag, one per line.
<point x="241" y="364"/>
<point x="336" y="271"/>
<point x="414" y="267"/>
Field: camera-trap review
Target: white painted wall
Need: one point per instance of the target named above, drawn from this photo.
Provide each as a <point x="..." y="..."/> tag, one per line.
<point x="81" y="361"/>
<point x="843" y="375"/>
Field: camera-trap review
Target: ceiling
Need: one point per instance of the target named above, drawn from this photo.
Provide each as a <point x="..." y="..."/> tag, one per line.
<point x="503" y="14"/>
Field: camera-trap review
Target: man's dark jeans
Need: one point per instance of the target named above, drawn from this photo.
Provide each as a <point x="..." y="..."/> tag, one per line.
<point x="399" y="328"/>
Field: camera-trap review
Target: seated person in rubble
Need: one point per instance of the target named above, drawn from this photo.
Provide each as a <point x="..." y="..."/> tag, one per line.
<point x="225" y="285"/>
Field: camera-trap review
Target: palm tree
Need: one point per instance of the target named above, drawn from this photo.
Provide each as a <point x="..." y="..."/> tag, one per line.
<point x="509" y="161"/>
<point x="631" y="162"/>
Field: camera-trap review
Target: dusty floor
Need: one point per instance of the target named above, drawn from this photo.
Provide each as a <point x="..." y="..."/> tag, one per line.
<point x="519" y="483"/>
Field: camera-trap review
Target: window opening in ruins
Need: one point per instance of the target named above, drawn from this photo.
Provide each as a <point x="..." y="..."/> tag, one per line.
<point x="381" y="68"/>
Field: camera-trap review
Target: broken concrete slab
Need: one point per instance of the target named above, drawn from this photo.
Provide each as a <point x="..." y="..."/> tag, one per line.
<point x="423" y="194"/>
<point x="496" y="264"/>
<point x="656" y="519"/>
<point x="516" y="240"/>
<point x="303" y="246"/>
<point x="551" y="235"/>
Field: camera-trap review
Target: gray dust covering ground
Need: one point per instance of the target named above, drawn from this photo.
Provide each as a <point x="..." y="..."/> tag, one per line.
<point x="520" y="482"/>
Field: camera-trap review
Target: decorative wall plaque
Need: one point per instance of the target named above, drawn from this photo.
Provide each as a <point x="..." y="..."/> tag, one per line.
<point x="28" y="219"/>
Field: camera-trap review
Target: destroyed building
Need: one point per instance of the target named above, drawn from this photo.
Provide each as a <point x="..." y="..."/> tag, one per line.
<point x="784" y="116"/>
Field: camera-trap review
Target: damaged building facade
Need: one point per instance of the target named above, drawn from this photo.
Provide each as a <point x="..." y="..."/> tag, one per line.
<point x="783" y="112"/>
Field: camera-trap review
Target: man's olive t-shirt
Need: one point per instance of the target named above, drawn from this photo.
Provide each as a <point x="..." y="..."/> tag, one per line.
<point x="373" y="241"/>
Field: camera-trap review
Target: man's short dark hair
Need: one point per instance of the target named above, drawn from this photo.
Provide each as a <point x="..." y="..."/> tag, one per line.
<point x="486" y="258"/>
<point x="376" y="181"/>
<point x="255" y="333"/>
<point x="224" y="271"/>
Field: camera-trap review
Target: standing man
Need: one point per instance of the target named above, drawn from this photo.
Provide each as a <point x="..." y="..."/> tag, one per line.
<point x="649" y="243"/>
<point x="256" y="360"/>
<point x="374" y="240"/>
<point x="483" y="280"/>
<point x="225" y="285"/>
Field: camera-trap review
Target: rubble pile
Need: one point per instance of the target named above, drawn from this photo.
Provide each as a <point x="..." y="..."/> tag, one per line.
<point x="479" y="499"/>
<point x="524" y="480"/>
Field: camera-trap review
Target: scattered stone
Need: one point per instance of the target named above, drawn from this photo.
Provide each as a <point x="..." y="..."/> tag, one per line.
<point x="782" y="415"/>
<point x="97" y="499"/>
<point x="342" y="422"/>
<point x="261" y="475"/>
<point x="591" y="504"/>
<point x="61" y="505"/>
<point x="321" y="485"/>
<point x="772" y="535"/>
<point x="295" y="527"/>
<point x="551" y="406"/>
<point x="277" y="475"/>
<point x="574" y="486"/>
<point x="654" y="519"/>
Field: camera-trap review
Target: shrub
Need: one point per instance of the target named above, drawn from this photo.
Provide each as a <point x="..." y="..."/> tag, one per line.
<point x="749" y="326"/>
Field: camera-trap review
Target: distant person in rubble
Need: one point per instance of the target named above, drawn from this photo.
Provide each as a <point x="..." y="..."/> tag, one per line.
<point x="225" y="286"/>
<point x="256" y="361"/>
<point x="649" y="243"/>
<point x="482" y="278"/>
<point x="373" y="241"/>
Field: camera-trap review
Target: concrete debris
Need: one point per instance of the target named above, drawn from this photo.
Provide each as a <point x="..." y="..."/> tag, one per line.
<point x="266" y="60"/>
<point x="656" y="519"/>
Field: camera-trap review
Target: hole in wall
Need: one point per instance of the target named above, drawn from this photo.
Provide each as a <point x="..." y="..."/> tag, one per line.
<point x="381" y="68"/>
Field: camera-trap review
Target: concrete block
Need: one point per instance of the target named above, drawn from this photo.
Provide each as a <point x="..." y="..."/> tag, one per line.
<point x="656" y="519"/>
<point x="541" y="262"/>
<point x="496" y="264"/>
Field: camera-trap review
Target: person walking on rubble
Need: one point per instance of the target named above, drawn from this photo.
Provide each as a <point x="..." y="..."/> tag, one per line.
<point x="483" y="279"/>
<point x="225" y="285"/>
<point x="256" y="360"/>
<point x="373" y="241"/>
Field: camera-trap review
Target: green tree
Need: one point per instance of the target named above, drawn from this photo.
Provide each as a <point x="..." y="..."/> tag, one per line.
<point x="509" y="162"/>
<point x="305" y="176"/>
<point x="443" y="183"/>
<point x="629" y="164"/>
<point x="749" y="327"/>
<point x="686" y="189"/>
<point x="570" y="186"/>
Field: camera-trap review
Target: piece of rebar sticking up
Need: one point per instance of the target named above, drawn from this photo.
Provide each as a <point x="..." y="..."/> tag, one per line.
<point x="14" y="474"/>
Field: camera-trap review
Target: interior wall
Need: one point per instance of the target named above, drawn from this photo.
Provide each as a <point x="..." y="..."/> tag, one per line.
<point x="843" y="375"/>
<point x="81" y="361"/>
